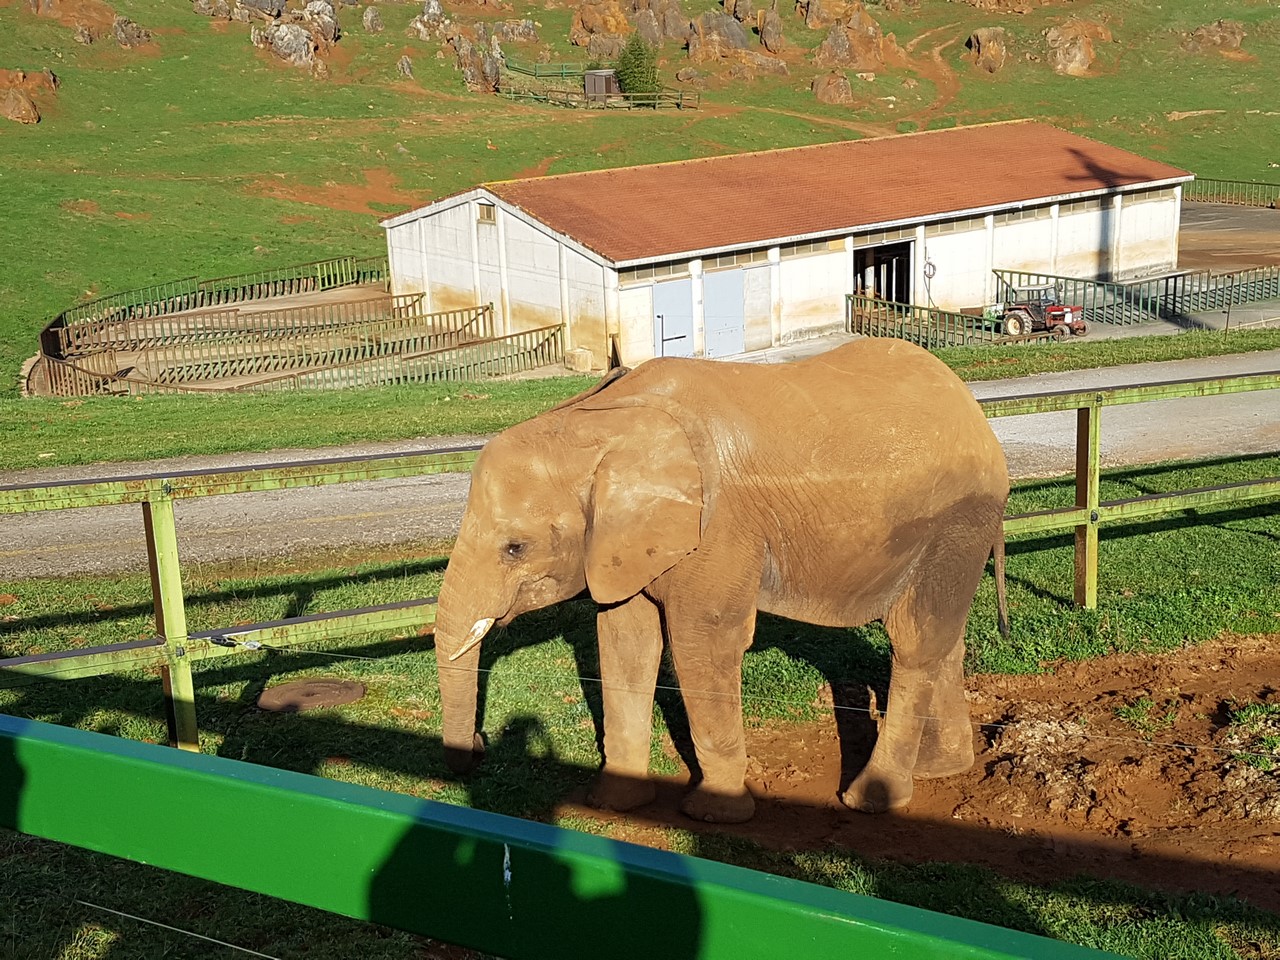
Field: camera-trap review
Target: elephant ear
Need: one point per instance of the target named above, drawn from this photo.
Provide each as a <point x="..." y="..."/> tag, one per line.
<point x="645" y="511"/>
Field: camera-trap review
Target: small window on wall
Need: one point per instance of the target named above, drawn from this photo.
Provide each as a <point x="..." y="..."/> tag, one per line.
<point x="486" y="213"/>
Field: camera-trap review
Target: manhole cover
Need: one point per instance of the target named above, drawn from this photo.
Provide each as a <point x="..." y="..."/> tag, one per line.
<point x="310" y="695"/>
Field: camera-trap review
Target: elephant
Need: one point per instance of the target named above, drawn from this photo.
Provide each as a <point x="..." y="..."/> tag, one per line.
<point x="685" y="495"/>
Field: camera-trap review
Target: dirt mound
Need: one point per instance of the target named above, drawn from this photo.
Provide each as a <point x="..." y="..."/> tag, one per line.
<point x="1124" y="767"/>
<point x="94" y="16"/>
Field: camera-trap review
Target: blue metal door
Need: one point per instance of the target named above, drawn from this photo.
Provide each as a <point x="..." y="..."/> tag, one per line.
<point x="673" y="318"/>
<point x="724" y="313"/>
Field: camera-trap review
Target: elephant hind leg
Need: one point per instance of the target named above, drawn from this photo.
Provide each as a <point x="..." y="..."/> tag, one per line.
<point x="926" y="730"/>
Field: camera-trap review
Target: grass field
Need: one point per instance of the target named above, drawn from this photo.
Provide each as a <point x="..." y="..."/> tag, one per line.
<point x="200" y="155"/>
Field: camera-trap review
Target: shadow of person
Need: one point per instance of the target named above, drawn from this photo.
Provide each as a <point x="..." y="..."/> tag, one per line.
<point x="515" y="887"/>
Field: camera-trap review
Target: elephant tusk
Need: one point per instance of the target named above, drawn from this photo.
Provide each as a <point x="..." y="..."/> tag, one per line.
<point x="478" y="630"/>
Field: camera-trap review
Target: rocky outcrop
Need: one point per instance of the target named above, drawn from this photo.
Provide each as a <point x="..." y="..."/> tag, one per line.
<point x="431" y="23"/>
<point x="648" y="28"/>
<point x="129" y="34"/>
<point x="17" y="105"/>
<point x="832" y="87"/>
<point x="479" y="58"/>
<point x="740" y="10"/>
<point x="1225" y="35"/>
<point x="404" y="67"/>
<point x="598" y="18"/>
<point x="321" y="18"/>
<point x="716" y="36"/>
<point x="271" y="9"/>
<point x="372" y="20"/>
<point x="771" y="32"/>
<point x="219" y="9"/>
<point x="820" y="14"/>
<point x="988" y="48"/>
<point x="858" y="42"/>
<point x="291" y="42"/>
<point x="516" y="31"/>
<point x="1071" y="46"/>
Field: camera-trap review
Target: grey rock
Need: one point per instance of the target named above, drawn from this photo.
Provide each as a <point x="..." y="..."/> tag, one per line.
<point x="516" y="31"/>
<point x="675" y="24"/>
<point x="771" y="32"/>
<point x="688" y="75"/>
<point x="266" y="8"/>
<point x="648" y="28"/>
<point x="605" y="46"/>
<point x="832" y="87"/>
<point x="372" y="20"/>
<point x="129" y="34"/>
<point x="212" y="8"/>
<point x="16" y="105"/>
<point x="988" y="48"/>
<point x="404" y="67"/>
<point x="716" y="35"/>
<point x="288" y="41"/>
<point x="321" y="17"/>
<point x="83" y="34"/>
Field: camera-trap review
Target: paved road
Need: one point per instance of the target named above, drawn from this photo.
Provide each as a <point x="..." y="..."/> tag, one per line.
<point x="368" y="515"/>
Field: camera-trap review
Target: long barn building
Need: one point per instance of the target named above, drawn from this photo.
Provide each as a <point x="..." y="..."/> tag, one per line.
<point x="718" y="256"/>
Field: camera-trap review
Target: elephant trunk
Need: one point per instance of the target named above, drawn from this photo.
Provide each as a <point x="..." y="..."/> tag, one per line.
<point x="459" y="631"/>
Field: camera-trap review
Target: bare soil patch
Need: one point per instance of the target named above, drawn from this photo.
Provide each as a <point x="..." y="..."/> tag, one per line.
<point x="87" y="207"/>
<point x="381" y="186"/>
<point x="1062" y="784"/>
<point x="93" y="14"/>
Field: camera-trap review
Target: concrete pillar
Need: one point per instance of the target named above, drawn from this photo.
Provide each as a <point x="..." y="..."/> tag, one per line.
<point x="699" y="318"/>
<point x="775" y="295"/>
<point x="506" y="324"/>
<point x="988" y="280"/>
<point x="1054" y="212"/>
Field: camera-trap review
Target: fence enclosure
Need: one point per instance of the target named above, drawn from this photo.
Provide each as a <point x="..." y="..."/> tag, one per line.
<point x="223" y="334"/>
<point x="1245" y="193"/>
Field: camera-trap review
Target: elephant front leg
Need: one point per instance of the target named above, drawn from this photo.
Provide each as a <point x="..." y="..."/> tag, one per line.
<point x="630" y="637"/>
<point x="708" y="657"/>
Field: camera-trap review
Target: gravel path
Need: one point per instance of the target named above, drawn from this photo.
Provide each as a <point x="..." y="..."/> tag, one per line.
<point x="382" y="513"/>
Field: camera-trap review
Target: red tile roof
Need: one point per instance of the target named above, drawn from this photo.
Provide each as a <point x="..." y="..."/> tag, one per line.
<point x="666" y="209"/>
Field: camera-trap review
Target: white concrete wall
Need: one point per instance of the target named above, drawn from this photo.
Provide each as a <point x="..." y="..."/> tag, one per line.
<point x="533" y="276"/>
<point x="962" y="266"/>
<point x="812" y="289"/>
<point x="1148" y="235"/>
<point x="1023" y="245"/>
<point x="587" y="285"/>
<point x="446" y="248"/>
<point x="757" y="306"/>
<point x="635" y="334"/>
<point x="404" y="254"/>
<point x="1084" y="242"/>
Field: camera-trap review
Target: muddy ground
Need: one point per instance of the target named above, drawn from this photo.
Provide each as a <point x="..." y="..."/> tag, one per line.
<point x="1062" y="785"/>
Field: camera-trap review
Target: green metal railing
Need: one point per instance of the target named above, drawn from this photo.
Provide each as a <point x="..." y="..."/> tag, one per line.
<point x="927" y="326"/>
<point x="1242" y="192"/>
<point x="543" y="71"/>
<point x="1171" y="297"/>
<point x="174" y="650"/>
<point x="191" y="292"/>
<point x="514" y="888"/>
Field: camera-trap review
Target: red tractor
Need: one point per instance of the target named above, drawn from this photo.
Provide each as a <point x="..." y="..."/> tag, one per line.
<point x="1031" y="309"/>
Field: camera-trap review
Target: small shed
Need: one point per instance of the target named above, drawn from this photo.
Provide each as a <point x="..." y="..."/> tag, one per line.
<point x="599" y="85"/>
<point x="723" y="255"/>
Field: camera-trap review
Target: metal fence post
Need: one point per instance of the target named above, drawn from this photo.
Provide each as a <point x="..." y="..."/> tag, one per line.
<point x="1088" y="457"/>
<point x="171" y="622"/>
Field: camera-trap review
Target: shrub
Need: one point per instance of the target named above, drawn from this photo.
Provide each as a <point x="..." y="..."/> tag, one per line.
<point x="637" y="67"/>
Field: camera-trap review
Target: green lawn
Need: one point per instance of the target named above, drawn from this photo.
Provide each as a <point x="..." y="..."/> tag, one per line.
<point x="204" y="157"/>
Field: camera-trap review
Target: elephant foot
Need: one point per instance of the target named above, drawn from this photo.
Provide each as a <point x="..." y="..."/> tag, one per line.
<point x="957" y="758"/>
<point x="621" y="793"/>
<point x="711" y="806"/>
<point x="460" y="759"/>
<point x="875" y="790"/>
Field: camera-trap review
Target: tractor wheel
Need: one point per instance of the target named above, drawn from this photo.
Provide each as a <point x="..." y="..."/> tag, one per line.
<point x="1015" y="325"/>
<point x="1061" y="332"/>
<point x="1083" y="329"/>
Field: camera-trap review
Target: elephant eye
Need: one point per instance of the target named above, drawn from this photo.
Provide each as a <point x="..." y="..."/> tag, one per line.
<point x="515" y="549"/>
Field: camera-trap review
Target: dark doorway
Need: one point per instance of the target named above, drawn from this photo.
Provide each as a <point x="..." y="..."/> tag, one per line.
<point x="883" y="272"/>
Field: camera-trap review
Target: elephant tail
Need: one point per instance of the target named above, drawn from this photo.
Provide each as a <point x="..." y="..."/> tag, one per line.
<point x="1002" y="599"/>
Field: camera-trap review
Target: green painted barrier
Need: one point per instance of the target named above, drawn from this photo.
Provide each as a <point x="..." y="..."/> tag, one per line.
<point x="505" y="886"/>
